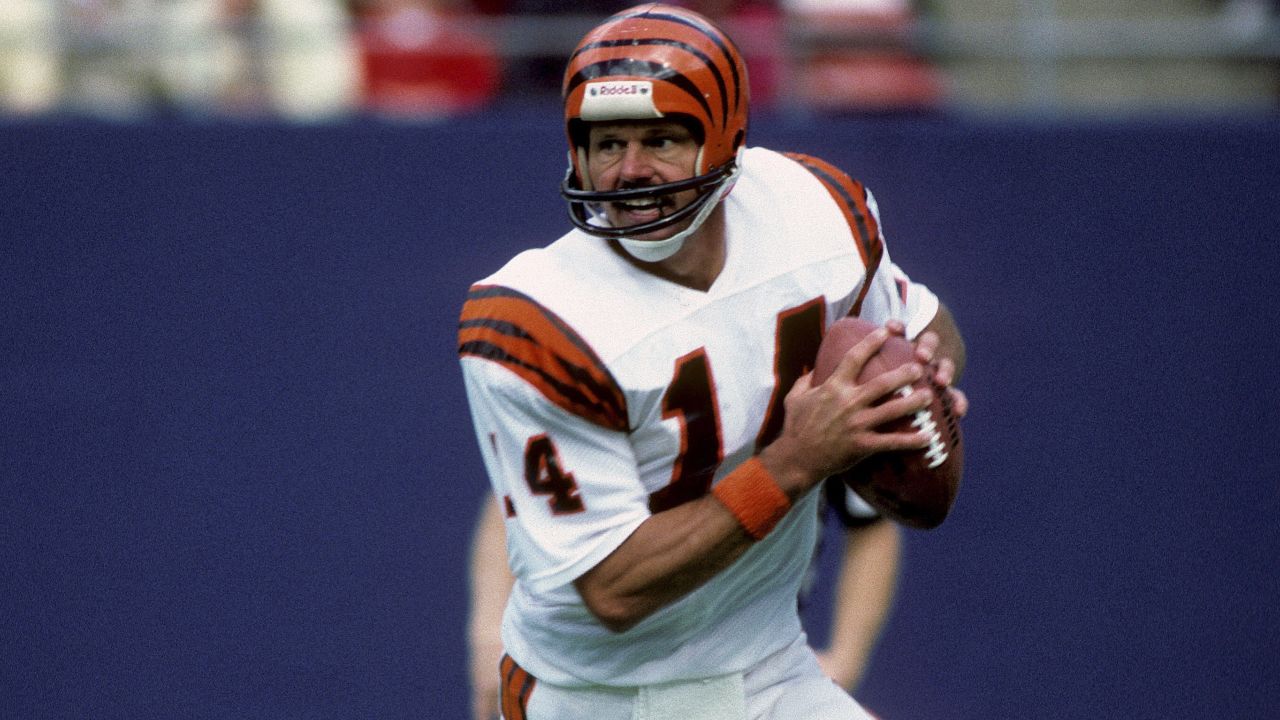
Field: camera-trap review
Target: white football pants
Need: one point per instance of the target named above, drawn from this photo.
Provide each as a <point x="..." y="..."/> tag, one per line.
<point x="788" y="685"/>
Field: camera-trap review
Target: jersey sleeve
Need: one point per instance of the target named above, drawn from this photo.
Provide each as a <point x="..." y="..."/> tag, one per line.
<point x="552" y="431"/>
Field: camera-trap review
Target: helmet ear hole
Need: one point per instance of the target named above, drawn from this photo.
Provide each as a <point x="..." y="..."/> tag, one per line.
<point x="584" y="179"/>
<point x="578" y="132"/>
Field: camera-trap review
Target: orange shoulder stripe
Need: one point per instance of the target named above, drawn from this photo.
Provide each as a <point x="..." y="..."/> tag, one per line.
<point x="512" y="329"/>
<point x="851" y="197"/>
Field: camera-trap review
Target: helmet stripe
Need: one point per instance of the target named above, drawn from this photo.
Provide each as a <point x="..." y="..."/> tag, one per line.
<point x="637" y="68"/>
<point x="711" y="32"/>
<point x="724" y="93"/>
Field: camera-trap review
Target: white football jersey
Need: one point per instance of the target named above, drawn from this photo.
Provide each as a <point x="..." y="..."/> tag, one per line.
<point x="602" y="394"/>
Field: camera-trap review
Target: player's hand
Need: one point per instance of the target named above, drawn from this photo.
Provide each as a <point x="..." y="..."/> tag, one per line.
<point x="833" y="426"/>
<point x="944" y="369"/>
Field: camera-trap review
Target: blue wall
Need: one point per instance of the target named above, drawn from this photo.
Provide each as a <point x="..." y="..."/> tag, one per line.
<point x="238" y="478"/>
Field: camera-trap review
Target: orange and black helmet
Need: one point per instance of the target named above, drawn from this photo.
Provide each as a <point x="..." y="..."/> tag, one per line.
<point x="656" y="61"/>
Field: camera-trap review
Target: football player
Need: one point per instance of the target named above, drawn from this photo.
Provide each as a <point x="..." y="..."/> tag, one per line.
<point x="628" y="385"/>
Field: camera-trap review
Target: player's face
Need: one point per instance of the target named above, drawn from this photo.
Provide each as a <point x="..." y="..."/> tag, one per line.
<point x="634" y="154"/>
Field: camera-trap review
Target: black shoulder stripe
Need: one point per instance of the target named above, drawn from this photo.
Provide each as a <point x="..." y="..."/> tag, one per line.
<point x="481" y="292"/>
<point x="574" y="393"/>
<point x="839" y="188"/>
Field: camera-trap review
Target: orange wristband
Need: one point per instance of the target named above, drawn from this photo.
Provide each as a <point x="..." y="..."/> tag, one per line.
<point x="753" y="497"/>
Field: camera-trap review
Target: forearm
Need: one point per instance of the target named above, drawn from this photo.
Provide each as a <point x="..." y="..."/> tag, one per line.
<point x="670" y="555"/>
<point x="675" y="551"/>
<point x="950" y="341"/>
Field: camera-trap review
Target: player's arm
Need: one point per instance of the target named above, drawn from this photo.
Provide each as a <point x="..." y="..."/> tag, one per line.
<point x="566" y="466"/>
<point x="670" y="554"/>
<point x="827" y="428"/>
<point x="865" y="586"/>
<point x="941" y="340"/>
<point x="490" y="584"/>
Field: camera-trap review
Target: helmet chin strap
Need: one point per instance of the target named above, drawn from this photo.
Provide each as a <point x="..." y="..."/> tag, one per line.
<point x="659" y="250"/>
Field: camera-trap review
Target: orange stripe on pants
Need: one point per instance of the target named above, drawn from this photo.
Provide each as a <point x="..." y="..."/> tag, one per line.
<point x="517" y="686"/>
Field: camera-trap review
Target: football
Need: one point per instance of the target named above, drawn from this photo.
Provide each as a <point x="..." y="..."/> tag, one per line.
<point x="915" y="488"/>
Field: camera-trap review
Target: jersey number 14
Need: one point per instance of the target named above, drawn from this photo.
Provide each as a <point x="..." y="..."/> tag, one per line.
<point x="691" y="399"/>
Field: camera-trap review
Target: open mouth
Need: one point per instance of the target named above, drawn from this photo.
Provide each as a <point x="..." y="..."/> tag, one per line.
<point x="643" y="208"/>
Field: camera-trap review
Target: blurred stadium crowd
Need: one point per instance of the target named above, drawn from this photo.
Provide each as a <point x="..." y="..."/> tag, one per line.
<point x="419" y="59"/>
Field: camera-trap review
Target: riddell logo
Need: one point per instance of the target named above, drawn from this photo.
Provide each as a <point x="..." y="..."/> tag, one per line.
<point x="617" y="100"/>
<point x="614" y="89"/>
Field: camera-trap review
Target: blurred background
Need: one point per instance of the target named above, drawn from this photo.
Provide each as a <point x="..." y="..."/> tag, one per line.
<point x="317" y="59"/>
<point x="237" y="474"/>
